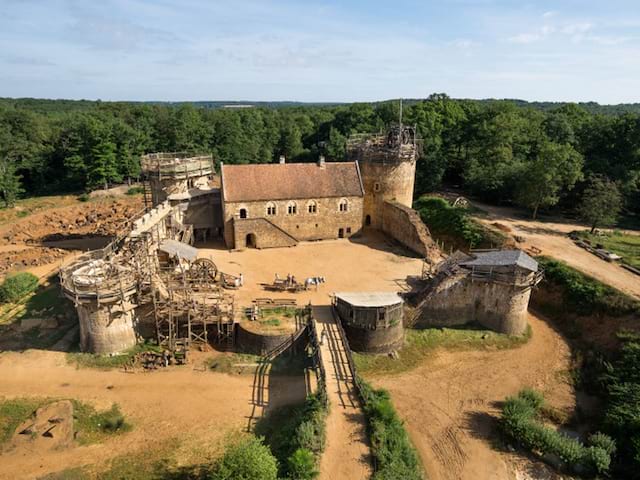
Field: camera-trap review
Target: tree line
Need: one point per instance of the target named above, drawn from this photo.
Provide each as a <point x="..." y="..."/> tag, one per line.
<point x="502" y="151"/>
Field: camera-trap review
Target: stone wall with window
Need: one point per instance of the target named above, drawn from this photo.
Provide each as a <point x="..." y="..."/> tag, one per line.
<point x="302" y="219"/>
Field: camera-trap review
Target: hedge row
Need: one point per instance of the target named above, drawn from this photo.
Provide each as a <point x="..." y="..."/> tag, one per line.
<point x="585" y="294"/>
<point x="394" y="455"/>
<point x="519" y="421"/>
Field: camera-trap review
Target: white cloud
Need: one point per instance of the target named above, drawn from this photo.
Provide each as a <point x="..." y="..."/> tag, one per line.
<point x="525" y="38"/>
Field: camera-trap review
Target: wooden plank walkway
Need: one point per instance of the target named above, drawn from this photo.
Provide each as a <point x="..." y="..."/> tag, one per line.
<point x="347" y="453"/>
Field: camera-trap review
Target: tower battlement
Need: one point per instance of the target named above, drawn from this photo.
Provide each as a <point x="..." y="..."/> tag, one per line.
<point x="398" y="144"/>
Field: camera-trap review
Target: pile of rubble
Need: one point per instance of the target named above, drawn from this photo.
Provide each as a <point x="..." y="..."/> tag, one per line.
<point x="103" y="218"/>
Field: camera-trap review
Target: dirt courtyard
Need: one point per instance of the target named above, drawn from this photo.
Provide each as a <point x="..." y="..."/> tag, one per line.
<point x="369" y="263"/>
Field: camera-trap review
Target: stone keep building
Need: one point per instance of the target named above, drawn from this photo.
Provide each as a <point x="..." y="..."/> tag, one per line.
<point x="278" y="205"/>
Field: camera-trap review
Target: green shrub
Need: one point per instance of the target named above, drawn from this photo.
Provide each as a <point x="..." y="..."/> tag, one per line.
<point x="391" y="447"/>
<point x="135" y="190"/>
<point x="585" y="294"/>
<point x="302" y="465"/>
<point x="249" y="459"/>
<point x="605" y="442"/>
<point x="532" y="397"/>
<point x="83" y="197"/>
<point x="16" y="286"/>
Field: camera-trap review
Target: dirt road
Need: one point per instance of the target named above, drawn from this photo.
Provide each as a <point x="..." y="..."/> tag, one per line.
<point x="347" y="452"/>
<point x="179" y="404"/>
<point x="450" y="403"/>
<point x="551" y="237"/>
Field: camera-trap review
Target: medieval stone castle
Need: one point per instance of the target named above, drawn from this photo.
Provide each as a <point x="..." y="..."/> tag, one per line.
<point x="151" y="278"/>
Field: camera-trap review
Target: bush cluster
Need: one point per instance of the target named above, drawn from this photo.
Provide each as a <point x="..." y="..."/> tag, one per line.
<point x="519" y="421"/>
<point x="297" y="437"/>
<point x="16" y="286"/>
<point x="586" y="294"/>
<point x="249" y="459"/>
<point x="394" y="455"/>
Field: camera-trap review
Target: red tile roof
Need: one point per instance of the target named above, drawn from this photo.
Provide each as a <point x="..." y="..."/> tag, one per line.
<point x="275" y="181"/>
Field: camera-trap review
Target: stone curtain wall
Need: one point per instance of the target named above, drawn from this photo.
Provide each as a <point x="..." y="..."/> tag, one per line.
<point x="459" y="299"/>
<point x="405" y="225"/>
<point x="324" y="224"/>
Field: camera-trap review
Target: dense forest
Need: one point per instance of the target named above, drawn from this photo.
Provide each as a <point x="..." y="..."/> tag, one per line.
<point x="535" y="155"/>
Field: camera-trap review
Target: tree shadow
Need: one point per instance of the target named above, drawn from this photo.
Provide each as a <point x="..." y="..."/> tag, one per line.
<point x="45" y="321"/>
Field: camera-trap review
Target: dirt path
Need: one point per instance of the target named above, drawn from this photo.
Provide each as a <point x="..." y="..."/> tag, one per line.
<point x="347" y="451"/>
<point x="551" y="237"/>
<point x="196" y="407"/>
<point x="450" y="404"/>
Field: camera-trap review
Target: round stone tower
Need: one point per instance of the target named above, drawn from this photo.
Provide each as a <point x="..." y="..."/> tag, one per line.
<point x="387" y="167"/>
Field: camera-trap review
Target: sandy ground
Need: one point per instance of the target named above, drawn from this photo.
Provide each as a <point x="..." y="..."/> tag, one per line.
<point x="347" y="453"/>
<point x="551" y="237"/>
<point x="184" y="403"/>
<point x="371" y="263"/>
<point x="451" y="402"/>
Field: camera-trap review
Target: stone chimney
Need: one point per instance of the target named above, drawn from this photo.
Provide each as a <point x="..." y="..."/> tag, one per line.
<point x="321" y="161"/>
<point x="282" y="160"/>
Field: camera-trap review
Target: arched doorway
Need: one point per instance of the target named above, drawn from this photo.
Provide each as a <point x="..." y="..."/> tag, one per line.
<point x="251" y="240"/>
<point x="367" y="220"/>
<point x="341" y="233"/>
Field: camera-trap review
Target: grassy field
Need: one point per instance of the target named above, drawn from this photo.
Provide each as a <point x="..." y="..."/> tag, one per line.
<point x="92" y="426"/>
<point x="107" y="362"/>
<point x="625" y="245"/>
<point x="420" y="344"/>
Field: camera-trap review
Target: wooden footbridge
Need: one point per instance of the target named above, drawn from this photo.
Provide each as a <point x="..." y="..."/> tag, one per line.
<point x="347" y="453"/>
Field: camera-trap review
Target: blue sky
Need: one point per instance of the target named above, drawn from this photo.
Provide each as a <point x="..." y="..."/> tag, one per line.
<point x="572" y="50"/>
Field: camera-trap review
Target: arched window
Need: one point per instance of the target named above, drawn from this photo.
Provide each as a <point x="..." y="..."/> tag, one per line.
<point x="343" y="206"/>
<point x="271" y="209"/>
<point x="292" y="208"/>
<point x="312" y="207"/>
<point x="243" y="213"/>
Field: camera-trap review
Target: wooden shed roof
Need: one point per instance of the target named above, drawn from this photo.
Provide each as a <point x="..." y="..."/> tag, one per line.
<point x="276" y="181"/>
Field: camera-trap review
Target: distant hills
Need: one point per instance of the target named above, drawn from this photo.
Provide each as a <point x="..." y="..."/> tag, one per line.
<point x="61" y="105"/>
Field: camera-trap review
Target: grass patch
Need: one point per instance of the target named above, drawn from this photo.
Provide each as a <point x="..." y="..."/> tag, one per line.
<point x="107" y="362"/>
<point x="419" y="344"/>
<point x="584" y="294"/>
<point x="94" y="426"/>
<point x="394" y="455"/>
<point x="15" y="411"/>
<point x="16" y="286"/>
<point x="625" y="245"/>
<point x="235" y="363"/>
<point x="91" y="426"/>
